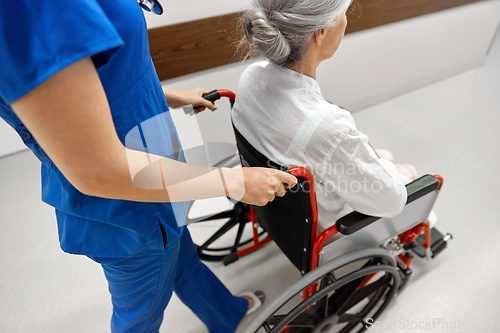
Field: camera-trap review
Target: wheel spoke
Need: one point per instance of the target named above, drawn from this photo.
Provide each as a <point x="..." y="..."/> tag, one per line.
<point x="349" y="327"/>
<point x="331" y="279"/>
<point x="302" y="320"/>
<point x="229" y="248"/>
<point x="373" y="302"/>
<point x="241" y="227"/>
<point x="274" y="319"/>
<point x="298" y="330"/>
<point x="342" y="296"/>
<point x="225" y="228"/>
<point x="349" y="318"/>
<point x="362" y="293"/>
<point x="323" y="303"/>
<point x="222" y="215"/>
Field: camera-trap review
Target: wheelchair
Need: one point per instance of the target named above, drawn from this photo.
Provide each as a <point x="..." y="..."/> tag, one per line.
<point x="350" y="272"/>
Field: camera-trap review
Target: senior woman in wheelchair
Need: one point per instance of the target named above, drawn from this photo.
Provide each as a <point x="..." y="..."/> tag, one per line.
<point x="281" y="112"/>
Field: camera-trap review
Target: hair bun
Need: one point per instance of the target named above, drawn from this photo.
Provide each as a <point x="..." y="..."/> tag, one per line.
<point x="267" y="40"/>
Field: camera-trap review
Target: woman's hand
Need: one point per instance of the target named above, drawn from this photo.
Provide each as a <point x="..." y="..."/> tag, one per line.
<point x="180" y="98"/>
<point x="257" y="186"/>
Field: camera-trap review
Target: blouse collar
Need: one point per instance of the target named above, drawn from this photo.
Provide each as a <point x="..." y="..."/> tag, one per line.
<point x="288" y="75"/>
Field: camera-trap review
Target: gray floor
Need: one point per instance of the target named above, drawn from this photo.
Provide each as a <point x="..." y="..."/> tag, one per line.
<point x="450" y="128"/>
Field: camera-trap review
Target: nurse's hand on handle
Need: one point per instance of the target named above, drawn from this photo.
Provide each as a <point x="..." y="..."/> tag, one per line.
<point x="180" y="98"/>
<point x="70" y="118"/>
<point x="261" y="185"/>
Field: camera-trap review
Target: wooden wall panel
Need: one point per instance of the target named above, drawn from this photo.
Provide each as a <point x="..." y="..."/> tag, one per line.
<point x="190" y="47"/>
<point x="367" y="14"/>
<point x="194" y="46"/>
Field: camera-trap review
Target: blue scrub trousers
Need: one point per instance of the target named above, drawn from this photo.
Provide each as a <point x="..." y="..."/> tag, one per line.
<point x="141" y="288"/>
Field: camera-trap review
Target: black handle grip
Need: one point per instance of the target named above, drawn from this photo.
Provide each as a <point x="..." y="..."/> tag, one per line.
<point x="212" y="96"/>
<point x="215" y="95"/>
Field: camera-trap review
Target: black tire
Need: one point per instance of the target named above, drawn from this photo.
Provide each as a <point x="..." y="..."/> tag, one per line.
<point x="338" y="305"/>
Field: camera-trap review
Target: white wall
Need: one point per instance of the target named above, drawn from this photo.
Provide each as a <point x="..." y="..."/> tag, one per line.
<point x="10" y="142"/>
<point x="190" y="10"/>
<point x="374" y="65"/>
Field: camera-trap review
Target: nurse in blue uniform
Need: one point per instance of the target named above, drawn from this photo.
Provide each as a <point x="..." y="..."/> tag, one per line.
<point x="75" y="79"/>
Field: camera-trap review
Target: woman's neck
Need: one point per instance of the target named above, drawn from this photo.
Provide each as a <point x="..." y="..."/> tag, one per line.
<point x="307" y="65"/>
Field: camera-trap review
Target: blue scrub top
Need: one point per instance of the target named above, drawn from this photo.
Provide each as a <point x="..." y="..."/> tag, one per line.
<point x="39" y="38"/>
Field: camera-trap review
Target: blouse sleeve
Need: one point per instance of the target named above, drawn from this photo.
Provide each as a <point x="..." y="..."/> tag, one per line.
<point x="39" y="38"/>
<point x="367" y="184"/>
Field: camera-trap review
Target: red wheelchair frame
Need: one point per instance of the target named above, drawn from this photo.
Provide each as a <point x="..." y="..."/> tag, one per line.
<point x="417" y="237"/>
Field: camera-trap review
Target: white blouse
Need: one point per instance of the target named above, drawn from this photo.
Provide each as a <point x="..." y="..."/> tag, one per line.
<point x="284" y="116"/>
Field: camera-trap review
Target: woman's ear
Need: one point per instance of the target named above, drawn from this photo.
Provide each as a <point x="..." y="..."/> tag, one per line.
<point x="319" y="35"/>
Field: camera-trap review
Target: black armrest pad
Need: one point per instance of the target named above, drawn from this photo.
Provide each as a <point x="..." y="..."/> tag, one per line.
<point x="355" y="221"/>
<point x="420" y="187"/>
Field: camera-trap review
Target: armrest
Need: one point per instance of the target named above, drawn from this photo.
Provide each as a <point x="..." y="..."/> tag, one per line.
<point x="418" y="188"/>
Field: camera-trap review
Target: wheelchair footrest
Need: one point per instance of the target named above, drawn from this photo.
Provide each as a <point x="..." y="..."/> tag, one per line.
<point x="230" y="258"/>
<point x="438" y="241"/>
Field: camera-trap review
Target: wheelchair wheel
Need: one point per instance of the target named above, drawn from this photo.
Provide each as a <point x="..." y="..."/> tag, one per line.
<point x="227" y="233"/>
<point x="342" y="303"/>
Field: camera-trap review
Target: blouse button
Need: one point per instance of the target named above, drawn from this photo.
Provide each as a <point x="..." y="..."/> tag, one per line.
<point x="25" y="135"/>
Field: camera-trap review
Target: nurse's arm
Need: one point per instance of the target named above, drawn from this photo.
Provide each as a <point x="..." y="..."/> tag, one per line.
<point x="69" y="116"/>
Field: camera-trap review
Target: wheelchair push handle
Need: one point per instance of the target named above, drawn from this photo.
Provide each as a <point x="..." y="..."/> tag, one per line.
<point x="215" y="95"/>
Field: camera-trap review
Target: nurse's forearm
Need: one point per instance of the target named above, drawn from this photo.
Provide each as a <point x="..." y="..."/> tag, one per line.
<point x="137" y="176"/>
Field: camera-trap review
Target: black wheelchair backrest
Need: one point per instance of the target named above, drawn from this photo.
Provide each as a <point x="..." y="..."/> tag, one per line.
<point x="288" y="220"/>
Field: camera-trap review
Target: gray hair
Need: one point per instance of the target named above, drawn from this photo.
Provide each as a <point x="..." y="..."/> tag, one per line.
<point x="280" y="30"/>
